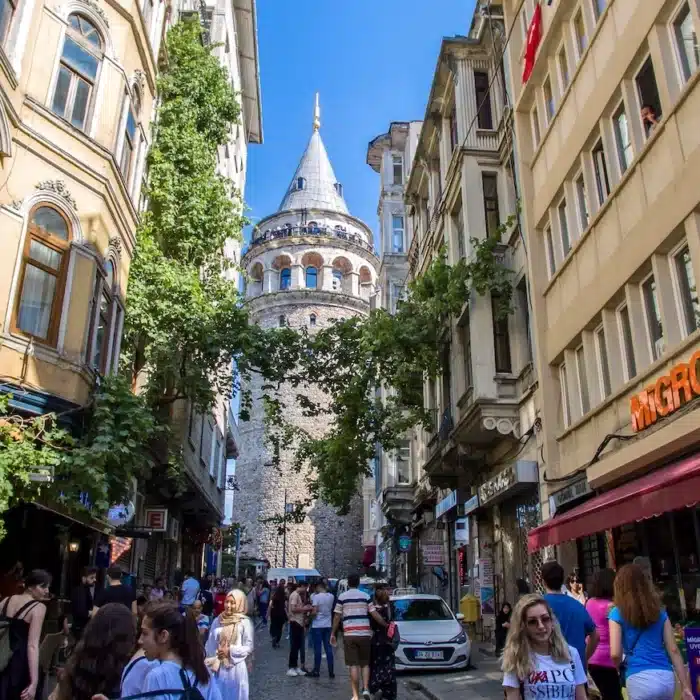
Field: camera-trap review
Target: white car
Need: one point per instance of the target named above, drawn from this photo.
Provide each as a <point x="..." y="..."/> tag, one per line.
<point x="431" y="635"/>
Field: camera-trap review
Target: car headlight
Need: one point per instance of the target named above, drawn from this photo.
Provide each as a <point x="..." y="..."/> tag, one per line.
<point x="461" y="638"/>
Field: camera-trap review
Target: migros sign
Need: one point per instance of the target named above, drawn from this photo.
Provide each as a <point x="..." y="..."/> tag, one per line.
<point x="668" y="394"/>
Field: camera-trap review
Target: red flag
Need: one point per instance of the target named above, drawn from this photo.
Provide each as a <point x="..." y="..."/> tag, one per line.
<point x="534" y="36"/>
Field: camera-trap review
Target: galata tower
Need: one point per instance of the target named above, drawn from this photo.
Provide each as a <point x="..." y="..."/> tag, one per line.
<point x="309" y="264"/>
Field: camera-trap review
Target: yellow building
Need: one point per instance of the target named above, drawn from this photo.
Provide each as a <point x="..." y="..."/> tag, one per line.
<point x="607" y="131"/>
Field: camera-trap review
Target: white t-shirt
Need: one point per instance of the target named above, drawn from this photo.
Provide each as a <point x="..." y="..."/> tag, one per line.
<point x="135" y="673"/>
<point x="323" y="602"/>
<point x="167" y="677"/>
<point x="550" y="679"/>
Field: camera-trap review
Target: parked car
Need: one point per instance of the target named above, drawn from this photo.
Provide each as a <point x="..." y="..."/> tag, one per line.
<point x="431" y="634"/>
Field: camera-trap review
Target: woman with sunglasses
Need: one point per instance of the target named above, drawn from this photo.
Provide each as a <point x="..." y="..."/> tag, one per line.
<point x="575" y="587"/>
<point x="537" y="661"/>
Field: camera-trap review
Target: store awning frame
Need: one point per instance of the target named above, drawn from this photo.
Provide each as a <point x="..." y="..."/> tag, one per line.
<point x="670" y="488"/>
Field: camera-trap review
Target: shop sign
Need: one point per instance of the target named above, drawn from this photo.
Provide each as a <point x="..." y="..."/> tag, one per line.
<point x="472" y="504"/>
<point x="461" y="531"/>
<point x="522" y="472"/>
<point x="446" y="504"/>
<point x="568" y="494"/>
<point x="692" y="646"/>
<point x="405" y="543"/>
<point x="156" y="519"/>
<point x="667" y="394"/>
<point x="486" y="591"/>
<point x="432" y="554"/>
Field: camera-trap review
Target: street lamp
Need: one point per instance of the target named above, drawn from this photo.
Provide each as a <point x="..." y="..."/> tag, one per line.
<point x="288" y="508"/>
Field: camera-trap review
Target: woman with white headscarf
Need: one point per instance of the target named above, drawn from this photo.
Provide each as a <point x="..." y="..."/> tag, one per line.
<point x="229" y="648"/>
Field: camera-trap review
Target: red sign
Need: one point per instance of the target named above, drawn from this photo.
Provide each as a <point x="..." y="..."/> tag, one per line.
<point x="156" y="519"/>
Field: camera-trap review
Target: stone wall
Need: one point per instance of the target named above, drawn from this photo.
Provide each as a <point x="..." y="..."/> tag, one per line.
<point x="325" y="541"/>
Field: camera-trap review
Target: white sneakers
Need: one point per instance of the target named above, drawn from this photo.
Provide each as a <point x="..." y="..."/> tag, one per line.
<point x="293" y="673"/>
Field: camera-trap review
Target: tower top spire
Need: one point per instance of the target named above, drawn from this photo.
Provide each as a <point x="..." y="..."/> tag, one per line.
<point x="317" y="114"/>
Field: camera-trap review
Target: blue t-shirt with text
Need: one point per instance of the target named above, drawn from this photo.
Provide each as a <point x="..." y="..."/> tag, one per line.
<point x="575" y="622"/>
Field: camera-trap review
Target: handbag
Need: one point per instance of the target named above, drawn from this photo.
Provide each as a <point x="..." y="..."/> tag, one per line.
<point x="392" y="633"/>
<point x="623" y="664"/>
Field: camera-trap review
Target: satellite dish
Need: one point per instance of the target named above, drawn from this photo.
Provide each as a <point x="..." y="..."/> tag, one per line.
<point x="121" y="514"/>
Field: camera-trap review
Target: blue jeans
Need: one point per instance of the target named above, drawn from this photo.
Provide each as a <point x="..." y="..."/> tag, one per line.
<point x="322" y="635"/>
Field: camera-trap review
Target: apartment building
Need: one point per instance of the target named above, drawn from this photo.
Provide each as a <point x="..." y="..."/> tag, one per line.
<point x="388" y="495"/>
<point x="476" y="494"/>
<point x="608" y="131"/>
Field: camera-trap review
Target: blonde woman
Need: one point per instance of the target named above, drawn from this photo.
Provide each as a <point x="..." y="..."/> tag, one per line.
<point x="537" y="661"/>
<point x="230" y="647"/>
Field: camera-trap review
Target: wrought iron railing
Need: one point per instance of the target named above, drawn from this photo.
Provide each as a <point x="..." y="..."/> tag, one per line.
<point x="314" y="230"/>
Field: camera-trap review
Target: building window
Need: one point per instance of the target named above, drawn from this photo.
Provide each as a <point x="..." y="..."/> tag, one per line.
<point x="601" y="173"/>
<point x="564" y="228"/>
<point x="625" y="326"/>
<point x="564" y="386"/>
<point x="603" y="363"/>
<point x="286" y="278"/>
<point x="311" y="277"/>
<point x="282" y="321"/>
<point x="43" y="274"/>
<point x="580" y="34"/>
<point x="623" y="141"/>
<point x="549" y="244"/>
<point x="301" y="183"/>
<point x="563" y="63"/>
<point x="312" y="320"/>
<point x="535" y="122"/>
<point x="687" y="291"/>
<point x="403" y="462"/>
<point x="338" y="189"/>
<point x="549" y="105"/>
<point x="524" y="307"/>
<point x="653" y="316"/>
<point x="582" y="380"/>
<point x="148" y="6"/>
<point x="582" y="202"/>
<point x="648" y="97"/>
<point x="458" y="229"/>
<point x="397" y="169"/>
<point x="483" y="100"/>
<point x="491" y="213"/>
<point x="77" y="73"/>
<point x="599" y="8"/>
<point x="7" y="12"/>
<point x="686" y="41"/>
<point x="103" y="310"/>
<point x="397" y="234"/>
<point x="337" y="280"/>
<point x="501" y="338"/>
<point x="454" y="131"/>
<point x="467" y="353"/>
<point x="397" y="291"/>
<point x="126" y="160"/>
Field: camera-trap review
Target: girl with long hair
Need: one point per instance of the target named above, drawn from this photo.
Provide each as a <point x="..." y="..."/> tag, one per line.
<point x="640" y="628"/>
<point x="537" y="661"/>
<point x="278" y="615"/>
<point x="172" y="638"/>
<point x="382" y="679"/>
<point x="600" y="665"/>
<point x="95" y="667"/>
<point x="230" y="647"/>
<point x="24" y="613"/>
<point x="502" y="625"/>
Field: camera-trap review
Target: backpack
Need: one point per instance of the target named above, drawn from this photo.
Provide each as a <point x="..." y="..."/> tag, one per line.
<point x="187" y="692"/>
<point x="9" y="638"/>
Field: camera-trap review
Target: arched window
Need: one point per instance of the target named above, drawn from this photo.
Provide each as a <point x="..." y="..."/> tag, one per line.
<point x="77" y="73"/>
<point x="312" y="320"/>
<point x="311" y="277"/>
<point x="282" y="321"/>
<point x="43" y="275"/>
<point x="285" y="278"/>
<point x="301" y="183"/>
<point x="337" y="280"/>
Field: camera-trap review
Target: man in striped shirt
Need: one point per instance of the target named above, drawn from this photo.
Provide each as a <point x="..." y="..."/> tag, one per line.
<point x="353" y="609"/>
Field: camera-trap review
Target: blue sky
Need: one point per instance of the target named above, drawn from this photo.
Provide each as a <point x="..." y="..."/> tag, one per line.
<point x="372" y="62"/>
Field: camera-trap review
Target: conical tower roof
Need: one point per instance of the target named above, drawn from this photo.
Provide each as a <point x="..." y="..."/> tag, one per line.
<point x="314" y="185"/>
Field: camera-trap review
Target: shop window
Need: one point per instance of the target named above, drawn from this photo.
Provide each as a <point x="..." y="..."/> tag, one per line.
<point x="658" y="534"/>
<point x="582" y="202"/>
<point x="286" y="278"/>
<point x="582" y="375"/>
<point x="623" y="140"/>
<point x="653" y="317"/>
<point x="549" y="246"/>
<point x="43" y="275"/>
<point x="564" y="228"/>
<point x="77" y="73"/>
<point x="686" y="41"/>
<point x="648" y="97"/>
<point x="603" y="363"/>
<point x="491" y="212"/>
<point x="549" y="104"/>
<point x="625" y="328"/>
<point x="684" y="525"/>
<point x="564" y="387"/>
<point x="687" y="291"/>
<point x="483" y="100"/>
<point x="600" y="168"/>
<point x="501" y="338"/>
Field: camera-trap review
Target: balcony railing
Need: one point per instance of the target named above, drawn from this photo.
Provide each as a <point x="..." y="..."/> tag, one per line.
<point x="323" y="231"/>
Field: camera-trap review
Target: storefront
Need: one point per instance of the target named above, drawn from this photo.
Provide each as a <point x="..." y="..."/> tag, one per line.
<point x="447" y="515"/>
<point x="653" y="521"/>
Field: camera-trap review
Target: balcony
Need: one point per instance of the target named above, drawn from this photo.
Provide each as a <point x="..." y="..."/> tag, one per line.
<point x="397" y="503"/>
<point x="290" y="231"/>
<point x="482" y="421"/>
<point x="442" y="464"/>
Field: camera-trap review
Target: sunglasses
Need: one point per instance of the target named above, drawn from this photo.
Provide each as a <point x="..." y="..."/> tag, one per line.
<point x="536" y="621"/>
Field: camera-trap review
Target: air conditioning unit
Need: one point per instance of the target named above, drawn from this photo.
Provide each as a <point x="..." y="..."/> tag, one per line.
<point x="173" y="531"/>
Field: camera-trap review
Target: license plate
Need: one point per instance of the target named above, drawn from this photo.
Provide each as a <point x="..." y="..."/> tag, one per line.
<point x="430" y="655"/>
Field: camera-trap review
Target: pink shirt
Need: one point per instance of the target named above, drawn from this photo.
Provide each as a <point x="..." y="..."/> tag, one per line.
<point x="598" y="609"/>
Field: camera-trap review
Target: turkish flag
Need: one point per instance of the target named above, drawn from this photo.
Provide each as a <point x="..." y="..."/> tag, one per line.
<point x="534" y="36"/>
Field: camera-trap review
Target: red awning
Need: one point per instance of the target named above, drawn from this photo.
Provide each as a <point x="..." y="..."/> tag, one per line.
<point x="663" y="490"/>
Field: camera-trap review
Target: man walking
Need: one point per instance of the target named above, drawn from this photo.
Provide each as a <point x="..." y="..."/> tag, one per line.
<point x="353" y="610"/>
<point x="190" y="590"/>
<point x="297" y="621"/>
<point x="575" y="622"/>
<point x="81" y="601"/>
<point x="116" y="592"/>
<point x="322" y="606"/>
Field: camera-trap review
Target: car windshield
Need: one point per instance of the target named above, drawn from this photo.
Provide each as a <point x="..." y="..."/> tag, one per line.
<point x="420" y="610"/>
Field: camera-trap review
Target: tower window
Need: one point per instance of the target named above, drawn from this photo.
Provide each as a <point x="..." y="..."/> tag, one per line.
<point x="339" y="188"/>
<point x="312" y="320"/>
<point x="337" y="280"/>
<point x="311" y="277"/>
<point x="301" y="183"/>
<point x="282" y="321"/>
<point x="285" y="278"/>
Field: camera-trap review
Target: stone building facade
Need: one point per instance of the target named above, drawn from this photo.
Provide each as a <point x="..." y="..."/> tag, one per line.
<point x="310" y="264"/>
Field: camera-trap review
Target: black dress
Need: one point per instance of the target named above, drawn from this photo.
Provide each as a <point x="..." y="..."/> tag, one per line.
<point x="382" y="660"/>
<point x="15" y="678"/>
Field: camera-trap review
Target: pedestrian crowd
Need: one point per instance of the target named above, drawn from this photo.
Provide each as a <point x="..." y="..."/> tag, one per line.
<point x="566" y="644"/>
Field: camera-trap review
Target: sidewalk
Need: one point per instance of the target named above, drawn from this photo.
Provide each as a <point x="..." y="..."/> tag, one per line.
<point x="482" y="682"/>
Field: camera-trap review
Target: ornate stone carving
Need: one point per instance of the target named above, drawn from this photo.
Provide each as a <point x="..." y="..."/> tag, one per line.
<point x="504" y="426"/>
<point x="59" y="188"/>
<point x="98" y="10"/>
<point x="16" y="204"/>
<point x="115" y="244"/>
